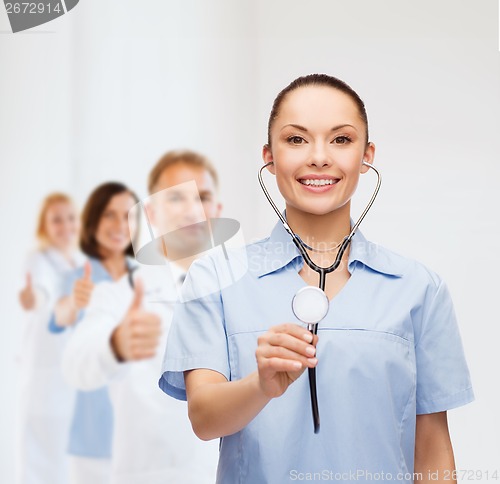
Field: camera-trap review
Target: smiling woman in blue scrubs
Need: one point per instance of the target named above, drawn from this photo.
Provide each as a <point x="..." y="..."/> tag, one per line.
<point x="388" y="354"/>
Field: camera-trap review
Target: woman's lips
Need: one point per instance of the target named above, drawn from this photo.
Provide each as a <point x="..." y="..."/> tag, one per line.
<point x="119" y="238"/>
<point x="318" y="184"/>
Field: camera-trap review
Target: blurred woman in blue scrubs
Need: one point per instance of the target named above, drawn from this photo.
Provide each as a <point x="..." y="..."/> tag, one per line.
<point x="106" y="240"/>
<point x="46" y="401"/>
<point x="388" y="354"/>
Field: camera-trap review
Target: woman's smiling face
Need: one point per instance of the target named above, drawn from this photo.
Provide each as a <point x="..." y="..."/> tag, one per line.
<point x="318" y="143"/>
<point x="114" y="230"/>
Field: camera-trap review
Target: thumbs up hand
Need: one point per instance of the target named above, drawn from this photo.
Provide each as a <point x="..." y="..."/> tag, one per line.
<point x="82" y="289"/>
<point x="27" y="294"/>
<point x="138" y="335"/>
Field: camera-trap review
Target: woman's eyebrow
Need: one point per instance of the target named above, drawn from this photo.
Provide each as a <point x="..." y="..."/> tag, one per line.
<point x="296" y="126"/>
<point x="301" y="128"/>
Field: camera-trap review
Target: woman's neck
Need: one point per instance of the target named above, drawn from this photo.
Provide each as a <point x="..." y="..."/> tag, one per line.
<point x="323" y="233"/>
<point x="115" y="264"/>
<point x="67" y="253"/>
<point x="320" y="231"/>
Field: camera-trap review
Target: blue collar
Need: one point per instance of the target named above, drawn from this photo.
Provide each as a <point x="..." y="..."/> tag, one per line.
<point x="279" y="251"/>
<point x="101" y="273"/>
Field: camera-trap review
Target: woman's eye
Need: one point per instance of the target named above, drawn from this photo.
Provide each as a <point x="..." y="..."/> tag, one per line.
<point x="109" y="215"/>
<point x="295" y="140"/>
<point x="342" y="140"/>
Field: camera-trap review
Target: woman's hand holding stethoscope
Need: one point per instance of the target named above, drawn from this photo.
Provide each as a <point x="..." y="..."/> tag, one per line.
<point x="283" y="353"/>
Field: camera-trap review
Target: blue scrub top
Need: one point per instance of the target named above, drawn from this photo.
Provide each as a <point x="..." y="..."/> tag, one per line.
<point x="388" y="349"/>
<point x="92" y="425"/>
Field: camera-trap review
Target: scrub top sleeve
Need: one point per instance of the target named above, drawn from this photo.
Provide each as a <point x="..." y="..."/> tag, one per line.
<point x="53" y="327"/>
<point x="443" y="380"/>
<point x="197" y="337"/>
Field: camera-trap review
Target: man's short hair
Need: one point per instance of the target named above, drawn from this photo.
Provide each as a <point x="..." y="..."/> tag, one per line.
<point x="185" y="157"/>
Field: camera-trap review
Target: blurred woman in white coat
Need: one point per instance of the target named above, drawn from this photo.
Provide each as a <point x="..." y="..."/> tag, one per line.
<point x="45" y="400"/>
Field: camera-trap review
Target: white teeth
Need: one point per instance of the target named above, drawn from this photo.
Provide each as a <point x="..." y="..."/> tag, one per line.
<point x="318" y="183"/>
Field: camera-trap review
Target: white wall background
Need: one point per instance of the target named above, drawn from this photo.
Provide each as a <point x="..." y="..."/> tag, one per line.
<point x="102" y="92"/>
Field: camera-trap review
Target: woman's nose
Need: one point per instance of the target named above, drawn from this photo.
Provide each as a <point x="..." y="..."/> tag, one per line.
<point x="319" y="156"/>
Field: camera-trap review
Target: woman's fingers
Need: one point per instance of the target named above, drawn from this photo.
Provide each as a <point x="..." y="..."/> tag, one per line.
<point x="82" y="291"/>
<point x="284" y="340"/>
<point x="287" y="347"/>
<point x="283" y="353"/>
<point x="304" y="359"/>
<point x="276" y="364"/>
<point x="292" y="337"/>
<point x="294" y="330"/>
<point x="281" y="365"/>
<point x="83" y="287"/>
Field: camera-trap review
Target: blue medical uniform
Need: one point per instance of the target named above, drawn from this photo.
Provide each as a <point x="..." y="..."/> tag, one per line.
<point x="388" y="349"/>
<point x="92" y="425"/>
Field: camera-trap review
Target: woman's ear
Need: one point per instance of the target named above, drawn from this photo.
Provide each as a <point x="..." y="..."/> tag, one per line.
<point x="368" y="157"/>
<point x="267" y="156"/>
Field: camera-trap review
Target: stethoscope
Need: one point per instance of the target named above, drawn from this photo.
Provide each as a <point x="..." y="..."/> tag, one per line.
<point x="310" y="304"/>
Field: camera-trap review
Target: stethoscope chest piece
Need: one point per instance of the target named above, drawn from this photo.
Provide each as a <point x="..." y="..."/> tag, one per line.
<point x="310" y="305"/>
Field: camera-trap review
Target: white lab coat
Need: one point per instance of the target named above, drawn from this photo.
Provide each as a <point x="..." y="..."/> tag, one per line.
<point x="153" y="442"/>
<point x="45" y="400"/>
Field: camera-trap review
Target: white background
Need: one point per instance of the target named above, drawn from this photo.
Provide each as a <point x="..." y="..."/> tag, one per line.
<point x="100" y="93"/>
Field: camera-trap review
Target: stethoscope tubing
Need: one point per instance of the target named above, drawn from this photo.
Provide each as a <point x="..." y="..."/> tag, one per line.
<point x="322" y="271"/>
